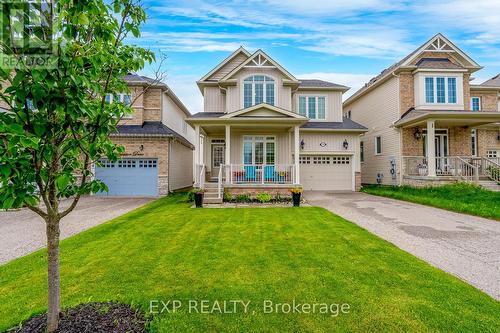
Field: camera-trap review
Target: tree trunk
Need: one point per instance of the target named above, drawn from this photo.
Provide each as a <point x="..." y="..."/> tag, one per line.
<point x="53" y="273"/>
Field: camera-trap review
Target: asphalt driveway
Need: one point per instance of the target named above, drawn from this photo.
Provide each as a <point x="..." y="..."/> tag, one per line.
<point x="465" y="246"/>
<point x="23" y="232"/>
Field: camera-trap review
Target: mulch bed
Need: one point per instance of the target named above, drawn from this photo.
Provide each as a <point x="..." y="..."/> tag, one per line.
<point x="91" y="317"/>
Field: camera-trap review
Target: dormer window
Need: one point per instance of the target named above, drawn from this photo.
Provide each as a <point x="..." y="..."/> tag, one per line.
<point x="440" y="90"/>
<point x="258" y="89"/>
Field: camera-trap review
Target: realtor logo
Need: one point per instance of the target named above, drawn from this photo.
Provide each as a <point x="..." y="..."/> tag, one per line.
<point x="27" y="34"/>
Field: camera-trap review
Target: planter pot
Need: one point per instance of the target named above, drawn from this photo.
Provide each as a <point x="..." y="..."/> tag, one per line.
<point x="296" y="199"/>
<point x="198" y="200"/>
<point x="422" y="171"/>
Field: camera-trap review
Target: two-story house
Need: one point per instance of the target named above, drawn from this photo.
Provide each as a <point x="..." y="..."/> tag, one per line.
<point x="158" y="155"/>
<point x="262" y="129"/>
<point x="427" y="124"/>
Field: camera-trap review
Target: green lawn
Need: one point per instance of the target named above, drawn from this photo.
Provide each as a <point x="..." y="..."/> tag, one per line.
<point x="461" y="198"/>
<point x="167" y="250"/>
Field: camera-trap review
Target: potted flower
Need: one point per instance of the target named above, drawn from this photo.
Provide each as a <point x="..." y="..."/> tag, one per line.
<point x="296" y="192"/>
<point x="198" y="196"/>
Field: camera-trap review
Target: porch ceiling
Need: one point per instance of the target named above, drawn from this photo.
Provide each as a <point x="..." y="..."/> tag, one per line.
<point x="218" y="129"/>
<point x="449" y="118"/>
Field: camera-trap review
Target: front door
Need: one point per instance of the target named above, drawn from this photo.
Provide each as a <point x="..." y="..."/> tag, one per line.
<point x="441" y="150"/>
<point x="218" y="158"/>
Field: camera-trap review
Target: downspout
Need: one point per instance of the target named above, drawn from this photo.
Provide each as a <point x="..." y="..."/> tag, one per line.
<point x="168" y="163"/>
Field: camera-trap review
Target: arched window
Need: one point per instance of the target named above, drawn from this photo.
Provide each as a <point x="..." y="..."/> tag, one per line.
<point x="258" y="89"/>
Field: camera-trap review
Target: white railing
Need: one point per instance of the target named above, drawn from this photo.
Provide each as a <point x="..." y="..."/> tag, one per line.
<point x="452" y="166"/>
<point x="490" y="168"/>
<point x="219" y="181"/>
<point x="200" y="176"/>
<point x="261" y="174"/>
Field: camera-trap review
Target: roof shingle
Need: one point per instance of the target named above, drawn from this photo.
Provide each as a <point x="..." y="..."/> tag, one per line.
<point x="150" y="128"/>
<point x="314" y="83"/>
<point x="437" y="63"/>
<point x="493" y="82"/>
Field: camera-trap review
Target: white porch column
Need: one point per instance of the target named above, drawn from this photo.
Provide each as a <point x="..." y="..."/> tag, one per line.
<point x="227" y="158"/>
<point x="196" y="154"/>
<point x="296" y="153"/>
<point x="431" y="149"/>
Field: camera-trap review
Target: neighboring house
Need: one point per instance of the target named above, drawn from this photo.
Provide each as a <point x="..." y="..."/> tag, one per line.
<point x="263" y="130"/>
<point x="158" y="154"/>
<point x="427" y="123"/>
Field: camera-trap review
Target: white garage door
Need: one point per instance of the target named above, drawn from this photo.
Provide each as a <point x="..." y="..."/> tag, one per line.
<point x="327" y="173"/>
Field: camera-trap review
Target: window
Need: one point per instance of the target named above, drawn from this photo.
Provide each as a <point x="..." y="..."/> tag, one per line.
<point x="473" y="138"/>
<point x="429" y="90"/>
<point x="378" y="145"/>
<point x="119" y="98"/>
<point x="258" y="89"/>
<point x="475" y="103"/>
<point x="362" y="151"/>
<point x="452" y="90"/>
<point x="347" y="114"/>
<point x="313" y="107"/>
<point x="441" y="90"/>
<point x="492" y="153"/>
<point x="259" y="150"/>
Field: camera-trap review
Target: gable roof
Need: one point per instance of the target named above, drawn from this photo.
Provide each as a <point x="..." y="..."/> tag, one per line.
<point x="151" y="128"/>
<point x="437" y="63"/>
<point x="438" y="43"/>
<point x="345" y="125"/>
<point x="279" y="111"/>
<point x="260" y="59"/>
<point x="233" y="55"/>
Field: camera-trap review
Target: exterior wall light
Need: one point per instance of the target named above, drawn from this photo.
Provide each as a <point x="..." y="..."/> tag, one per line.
<point x="345" y="144"/>
<point x="417" y="134"/>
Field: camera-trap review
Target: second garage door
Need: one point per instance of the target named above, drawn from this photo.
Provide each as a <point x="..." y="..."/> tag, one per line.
<point x="326" y="173"/>
<point x="129" y="177"/>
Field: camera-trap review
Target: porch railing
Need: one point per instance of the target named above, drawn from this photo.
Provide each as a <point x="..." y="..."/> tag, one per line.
<point x="261" y="174"/>
<point x="490" y="168"/>
<point x="452" y="166"/>
<point x="199" y="175"/>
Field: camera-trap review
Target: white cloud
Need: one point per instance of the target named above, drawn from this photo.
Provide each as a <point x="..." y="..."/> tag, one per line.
<point x="329" y="7"/>
<point x="353" y="80"/>
<point x="184" y="86"/>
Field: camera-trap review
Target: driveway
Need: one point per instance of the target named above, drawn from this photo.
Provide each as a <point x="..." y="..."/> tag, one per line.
<point x="465" y="246"/>
<point x="23" y="232"/>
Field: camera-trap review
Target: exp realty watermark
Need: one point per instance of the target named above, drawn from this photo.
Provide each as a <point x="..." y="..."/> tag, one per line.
<point x="27" y="34"/>
<point x="244" y="306"/>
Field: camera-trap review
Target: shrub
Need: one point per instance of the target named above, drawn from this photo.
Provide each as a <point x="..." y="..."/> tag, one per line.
<point x="192" y="193"/>
<point x="263" y="197"/>
<point x="282" y="198"/>
<point x="228" y="197"/>
<point x="243" y="198"/>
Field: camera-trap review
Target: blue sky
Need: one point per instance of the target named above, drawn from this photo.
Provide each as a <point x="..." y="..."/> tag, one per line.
<point x="345" y="42"/>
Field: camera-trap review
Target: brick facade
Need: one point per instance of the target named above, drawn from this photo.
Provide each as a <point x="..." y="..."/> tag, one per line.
<point x="357" y="181"/>
<point x="487" y="140"/>
<point x="489" y="100"/>
<point x="152" y="148"/>
<point x="136" y="118"/>
<point x="252" y="191"/>
<point x="410" y="145"/>
<point x="406" y="92"/>
<point x="152" y="104"/>
<point x="467" y="91"/>
<point x="459" y="141"/>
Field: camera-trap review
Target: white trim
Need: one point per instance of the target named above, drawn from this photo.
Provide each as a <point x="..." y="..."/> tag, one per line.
<point x="241" y="49"/>
<point x="315" y="96"/>
<point x="473" y="134"/>
<point x="375" y="141"/>
<point x="258" y="106"/>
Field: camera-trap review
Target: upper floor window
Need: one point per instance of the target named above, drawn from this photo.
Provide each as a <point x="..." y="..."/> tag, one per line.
<point x="258" y="89"/>
<point x="119" y="98"/>
<point x="312" y="107"/>
<point x="475" y="103"/>
<point x="440" y="90"/>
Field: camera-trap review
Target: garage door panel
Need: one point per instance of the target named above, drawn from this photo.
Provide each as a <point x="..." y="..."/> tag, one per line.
<point x="327" y="173"/>
<point x="129" y="177"/>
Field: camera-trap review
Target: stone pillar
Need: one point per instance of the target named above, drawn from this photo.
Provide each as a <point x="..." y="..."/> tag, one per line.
<point x="296" y="145"/>
<point x="431" y="149"/>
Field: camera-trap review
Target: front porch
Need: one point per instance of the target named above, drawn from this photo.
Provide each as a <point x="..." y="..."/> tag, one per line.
<point x="445" y="147"/>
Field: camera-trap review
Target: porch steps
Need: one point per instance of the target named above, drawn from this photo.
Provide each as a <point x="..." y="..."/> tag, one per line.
<point x="489" y="185"/>
<point x="211" y="194"/>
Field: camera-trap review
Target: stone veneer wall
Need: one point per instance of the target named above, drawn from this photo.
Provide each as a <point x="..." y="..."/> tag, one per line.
<point x="153" y="148"/>
<point x="411" y="146"/>
<point x="459" y="141"/>
<point x="487" y="140"/>
<point x="421" y="182"/>
<point x="253" y="191"/>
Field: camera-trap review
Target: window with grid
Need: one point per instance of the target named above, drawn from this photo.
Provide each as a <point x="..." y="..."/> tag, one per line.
<point x="259" y="149"/>
<point x="304" y="160"/>
<point x="452" y="90"/>
<point x="441" y="97"/>
<point x="340" y="160"/>
<point x="441" y="90"/>
<point x="126" y="163"/>
<point x="147" y="163"/>
<point x="313" y="107"/>
<point x="476" y="103"/>
<point x="429" y="90"/>
<point x="258" y="89"/>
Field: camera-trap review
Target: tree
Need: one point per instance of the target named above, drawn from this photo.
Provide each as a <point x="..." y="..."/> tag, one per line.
<point x="57" y="122"/>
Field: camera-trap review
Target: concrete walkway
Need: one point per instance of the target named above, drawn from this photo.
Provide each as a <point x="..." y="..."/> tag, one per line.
<point x="465" y="246"/>
<point x="23" y="232"/>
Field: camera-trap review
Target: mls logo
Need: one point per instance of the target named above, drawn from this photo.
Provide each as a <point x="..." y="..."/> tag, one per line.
<point x="27" y="33"/>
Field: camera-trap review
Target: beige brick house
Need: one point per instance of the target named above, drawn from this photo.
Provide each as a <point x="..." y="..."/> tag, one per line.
<point x="264" y="130"/>
<point x="158" y="142"/>
<point x="427" y="122"/>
